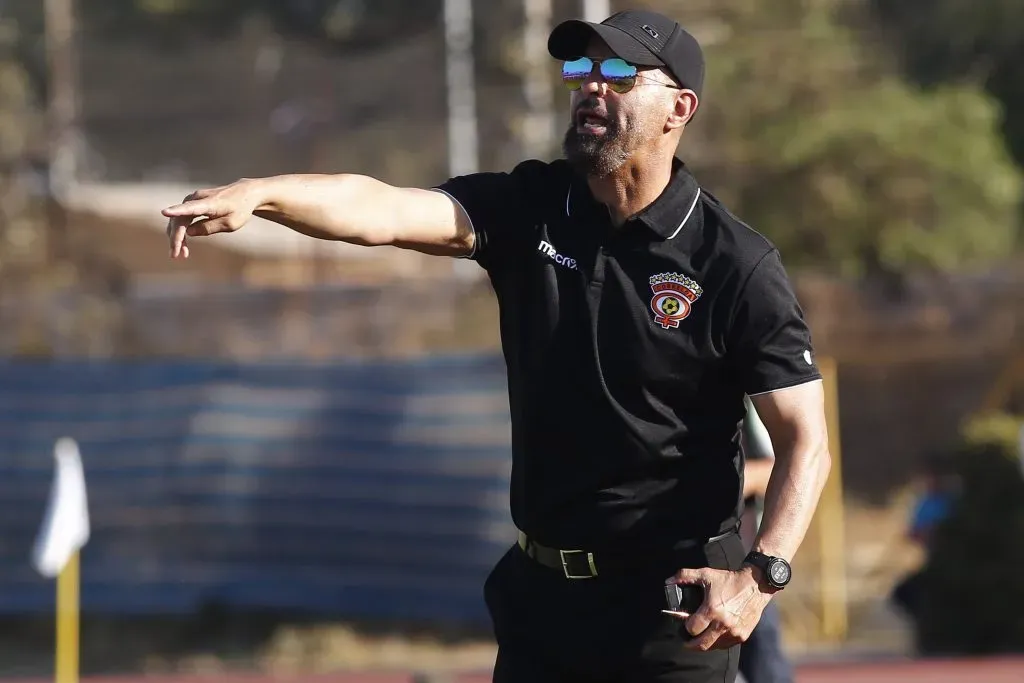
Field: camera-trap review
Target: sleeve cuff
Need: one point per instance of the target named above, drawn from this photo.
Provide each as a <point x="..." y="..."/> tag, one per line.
<point x="476" y="241"/>
<point x="788" y="384"/>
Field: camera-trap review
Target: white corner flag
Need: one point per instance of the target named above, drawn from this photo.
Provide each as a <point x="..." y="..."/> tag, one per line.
<point x="66" y="525"/>
<point x="64" y="532"/>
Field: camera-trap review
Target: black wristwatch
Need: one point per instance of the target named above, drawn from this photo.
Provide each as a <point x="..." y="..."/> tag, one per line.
<point x="777" y="571"/>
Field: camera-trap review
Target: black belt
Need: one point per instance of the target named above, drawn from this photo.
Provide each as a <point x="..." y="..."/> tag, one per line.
<point x="581" y="564"/>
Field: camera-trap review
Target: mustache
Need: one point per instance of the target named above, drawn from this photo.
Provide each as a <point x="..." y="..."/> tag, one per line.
<point x="592" y="104"/>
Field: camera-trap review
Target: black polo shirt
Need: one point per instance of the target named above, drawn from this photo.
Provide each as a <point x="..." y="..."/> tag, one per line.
<point x="628" y="352"/>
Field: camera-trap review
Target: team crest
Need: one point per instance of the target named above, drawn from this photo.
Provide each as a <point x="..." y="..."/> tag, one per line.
<point x="673" y="298"/>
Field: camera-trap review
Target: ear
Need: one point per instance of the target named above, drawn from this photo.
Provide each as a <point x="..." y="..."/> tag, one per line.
<point x="684" y="107"/>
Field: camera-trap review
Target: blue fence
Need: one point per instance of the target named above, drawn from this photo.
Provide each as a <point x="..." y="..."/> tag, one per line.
<point x="353" y="490"/>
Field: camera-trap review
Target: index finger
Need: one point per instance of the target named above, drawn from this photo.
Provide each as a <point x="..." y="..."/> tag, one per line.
<point x="690" y="576"/>
<point x="192" y="208"/>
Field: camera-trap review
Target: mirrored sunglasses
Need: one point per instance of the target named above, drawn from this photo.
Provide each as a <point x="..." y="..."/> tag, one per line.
<point x="619" y="74"/>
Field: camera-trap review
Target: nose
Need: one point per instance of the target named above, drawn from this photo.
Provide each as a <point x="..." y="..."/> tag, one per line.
<point x="595" y="83"/>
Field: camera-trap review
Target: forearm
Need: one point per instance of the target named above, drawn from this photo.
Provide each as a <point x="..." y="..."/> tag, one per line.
<point x="349" y="208"/>
<point x="330" y="207"/>
<point x="794" y="488"/>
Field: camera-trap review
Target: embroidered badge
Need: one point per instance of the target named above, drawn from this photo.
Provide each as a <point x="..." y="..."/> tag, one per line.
<point x="673" y="297"/>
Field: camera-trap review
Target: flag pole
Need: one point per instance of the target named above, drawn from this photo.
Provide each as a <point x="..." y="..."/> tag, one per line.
<point x="57" y="552"/>
<point x="67" y="621"/>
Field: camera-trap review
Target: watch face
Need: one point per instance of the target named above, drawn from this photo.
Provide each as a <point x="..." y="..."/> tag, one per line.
<point x="778" y="572"/>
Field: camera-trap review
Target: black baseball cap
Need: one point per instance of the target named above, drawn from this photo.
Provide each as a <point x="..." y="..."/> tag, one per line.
<point x="639" y="37"/>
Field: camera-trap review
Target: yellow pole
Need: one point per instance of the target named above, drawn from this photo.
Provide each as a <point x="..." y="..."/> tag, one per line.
<point x="67" y="622"/>
<point x="831" y="516"/>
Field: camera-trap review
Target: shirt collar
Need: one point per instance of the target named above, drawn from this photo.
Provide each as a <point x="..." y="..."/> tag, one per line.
<point x="666" y="216"/>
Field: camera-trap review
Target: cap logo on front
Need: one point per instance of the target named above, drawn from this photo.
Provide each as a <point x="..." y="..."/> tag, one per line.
<point x="650" y="31"/>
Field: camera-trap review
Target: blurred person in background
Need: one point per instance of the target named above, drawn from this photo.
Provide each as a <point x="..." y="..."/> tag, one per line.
<point x="762" y="659"/>
<point x="635" y="314"/>
<point x="938" y="485"/>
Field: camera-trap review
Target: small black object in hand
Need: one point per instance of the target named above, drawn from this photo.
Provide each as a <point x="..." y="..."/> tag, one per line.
<point x="684" y="598"/>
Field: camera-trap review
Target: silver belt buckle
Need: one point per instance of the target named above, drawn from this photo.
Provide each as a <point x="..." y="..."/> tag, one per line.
<point x="565" y="564"/>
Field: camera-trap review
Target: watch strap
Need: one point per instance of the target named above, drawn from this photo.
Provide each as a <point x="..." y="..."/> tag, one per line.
<point x="759" y="560"/>
<point x="762" y="562"/>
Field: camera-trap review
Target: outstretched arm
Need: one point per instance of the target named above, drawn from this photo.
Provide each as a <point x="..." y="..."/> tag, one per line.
<point x="346" y="207"/>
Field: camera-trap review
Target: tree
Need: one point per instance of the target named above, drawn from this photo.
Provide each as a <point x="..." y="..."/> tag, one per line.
<point x="49" y="301"/>
<point x="942" y="41"/>
<point x="825" y="149"/>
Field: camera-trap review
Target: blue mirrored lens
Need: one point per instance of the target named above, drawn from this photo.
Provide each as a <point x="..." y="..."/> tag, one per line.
<point x="618" y="72"/>
<point x="576" y="71"/>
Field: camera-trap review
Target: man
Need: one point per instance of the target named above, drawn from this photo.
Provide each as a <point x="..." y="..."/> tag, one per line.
<point x="762" y="659"/>
<point x="635" y="313"/>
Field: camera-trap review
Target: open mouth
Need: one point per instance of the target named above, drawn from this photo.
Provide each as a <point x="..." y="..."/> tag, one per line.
<point x="591" y="123"/>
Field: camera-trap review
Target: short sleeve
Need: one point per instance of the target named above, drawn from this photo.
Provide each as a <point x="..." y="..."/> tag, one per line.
<point x="769" y="338"/>
<point x="496" y="204"/>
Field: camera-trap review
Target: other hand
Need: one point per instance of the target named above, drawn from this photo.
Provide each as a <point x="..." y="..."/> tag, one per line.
<point x="210" y="211"/>
<point x="733" y="603"/>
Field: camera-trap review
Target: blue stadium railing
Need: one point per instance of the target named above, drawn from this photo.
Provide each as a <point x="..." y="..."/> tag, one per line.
<point x="357" y="489"/>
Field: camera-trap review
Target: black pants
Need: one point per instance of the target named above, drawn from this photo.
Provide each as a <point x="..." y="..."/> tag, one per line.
<point x="607" y="629"/>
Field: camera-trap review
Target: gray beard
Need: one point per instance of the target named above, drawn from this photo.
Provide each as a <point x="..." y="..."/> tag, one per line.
<point x="595" y="155"/>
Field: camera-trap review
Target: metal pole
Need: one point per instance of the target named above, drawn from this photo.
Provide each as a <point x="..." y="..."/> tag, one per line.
<point x="463" y="154"/>
<point x="62" y="117"/>
<point x="831" y="517"/>
<point x="62" y="105"/>
<point x="596" y="10"/>
<point x="462" y="128"/>
<point x="539" y="125"/>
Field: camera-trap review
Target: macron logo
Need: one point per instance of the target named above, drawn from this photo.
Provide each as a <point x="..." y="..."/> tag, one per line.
<point x="549" y="250"/>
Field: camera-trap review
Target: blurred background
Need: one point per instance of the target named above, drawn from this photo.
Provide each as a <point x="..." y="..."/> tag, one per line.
<point x="298" y="453"/>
